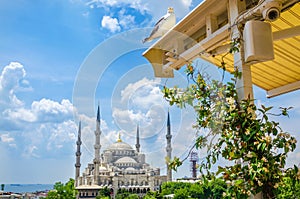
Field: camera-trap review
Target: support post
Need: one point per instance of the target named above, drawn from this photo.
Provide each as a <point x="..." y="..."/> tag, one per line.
<point x="244" y="84"/>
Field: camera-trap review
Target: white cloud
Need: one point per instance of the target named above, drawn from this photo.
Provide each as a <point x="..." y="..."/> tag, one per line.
<point x="10" y="79"/>
<point x="142" y="88"/>
<point x="125" y="116"/>
<point x="126" y="21"/>
<point x="136" y="4"/>
<point x="48" y="110"/>
<point x="45" y="110"/>
<point x="11" y="76"/>
<point x="187" y="3"/>
<point x="20" y="114"/>
<point x="154" y="8"/>
<point x="141" y="103"/>
<point x="30" y="152"/>
<point x="44" y="127"/>
<point x="6" y="138"/>
<point x="112" y="24"/>
<point x="62" y="133"/>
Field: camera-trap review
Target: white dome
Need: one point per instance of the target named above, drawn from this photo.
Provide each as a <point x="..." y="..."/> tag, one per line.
<point x="119" y="146"/>
<point x="125" y="160"/>
<point x="130" y="169"/>
<point x="101" y="169"/>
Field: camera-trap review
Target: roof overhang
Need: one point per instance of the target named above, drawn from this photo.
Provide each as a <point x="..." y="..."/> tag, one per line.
<point x="205" y="33"/>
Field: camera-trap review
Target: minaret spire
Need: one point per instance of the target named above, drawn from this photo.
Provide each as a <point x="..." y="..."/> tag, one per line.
<point x="98" y="114"/>
<point x="97" y="147"/>
<point x="169" y="147"/>
<point x="137" y="145"/>
<point x="78" y="154"/>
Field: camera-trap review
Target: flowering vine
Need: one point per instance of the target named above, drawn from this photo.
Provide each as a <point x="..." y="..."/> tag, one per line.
<point x="239" y="132"/>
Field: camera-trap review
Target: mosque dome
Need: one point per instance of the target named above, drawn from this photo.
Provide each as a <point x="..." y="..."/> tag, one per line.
<point x="130" y="169"/>
<point x="119" y="145"/>
<point x="125" y="160"/>
<point x="102" y="169"/>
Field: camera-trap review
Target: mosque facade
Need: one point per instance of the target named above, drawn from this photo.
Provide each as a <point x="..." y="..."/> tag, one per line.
<point x="119" y="166"/>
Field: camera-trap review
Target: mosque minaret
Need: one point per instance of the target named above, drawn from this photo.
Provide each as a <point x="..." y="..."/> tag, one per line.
<point x="78" y="154"/>
<point x="137" y="145"/>
<point x="169" y="148"/>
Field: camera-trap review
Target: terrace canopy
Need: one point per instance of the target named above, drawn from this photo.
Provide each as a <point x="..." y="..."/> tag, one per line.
<point x="206" y="32"/>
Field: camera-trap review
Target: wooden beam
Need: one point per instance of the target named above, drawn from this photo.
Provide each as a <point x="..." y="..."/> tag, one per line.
<point x="286" y="33"/>
<point x="283" y="89"/>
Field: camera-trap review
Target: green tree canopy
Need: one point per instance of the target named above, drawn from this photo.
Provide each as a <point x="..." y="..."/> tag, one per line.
<point x="124" y="194"/>
<point x="103" y="193"/>
<point x="63" y="191"/>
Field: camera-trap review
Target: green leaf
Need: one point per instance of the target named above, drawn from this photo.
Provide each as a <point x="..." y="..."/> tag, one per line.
<point x="263" y="146"/>
<point x="238" y="182"/>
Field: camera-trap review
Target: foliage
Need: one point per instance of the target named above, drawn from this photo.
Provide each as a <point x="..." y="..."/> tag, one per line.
<point x="238" y="131"/>
<point x="170" y="187"/>
<point x="63" y="191"/>
<point x="181" y="194"/>
<point x="124" y="194"/>
<point x="104" y="193"/>
<point x="153" y="195"/>
<point x="2" y="187"/>
<point x="213" y="188"/>
<point x="288" y="189"/>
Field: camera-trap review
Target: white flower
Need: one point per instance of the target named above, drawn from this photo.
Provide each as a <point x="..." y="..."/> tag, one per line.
<point x="293" y="141"/>
<point x="230" y="100"/>
<point x="249" y="155"/>
<point x="264" y="159"/>
<point x="247" y="132"/>
<point x="268" y="139"/>
<point x="231" y="107"/>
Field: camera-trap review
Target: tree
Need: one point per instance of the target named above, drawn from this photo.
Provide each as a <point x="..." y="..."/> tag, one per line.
<point x="125" y="194"/>
<point x="170" y="187"/>
<point x="2" y="187"/>
<point x="288" y="189"/>
<point x="181" y="194"/>
<point x="63" y="191"/>
<point x="238" y="131"/>
<point x="153" y="195"/>
<point x="213" y="188"/>
<point x="103" y="193"/>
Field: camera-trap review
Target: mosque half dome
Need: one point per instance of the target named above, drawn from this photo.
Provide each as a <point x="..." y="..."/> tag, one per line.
<point x="102" y="169"/>
<point x="125" y="160"/>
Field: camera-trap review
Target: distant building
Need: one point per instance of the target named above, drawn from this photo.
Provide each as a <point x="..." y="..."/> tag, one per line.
<point x="9" y="195"/>
<point x="119" y="166"/>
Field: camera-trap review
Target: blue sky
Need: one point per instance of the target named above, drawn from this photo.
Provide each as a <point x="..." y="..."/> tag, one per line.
<point x="60" y="58"/>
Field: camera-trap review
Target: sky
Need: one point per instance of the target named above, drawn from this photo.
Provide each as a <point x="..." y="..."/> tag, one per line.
<point x="60" y="59"/>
